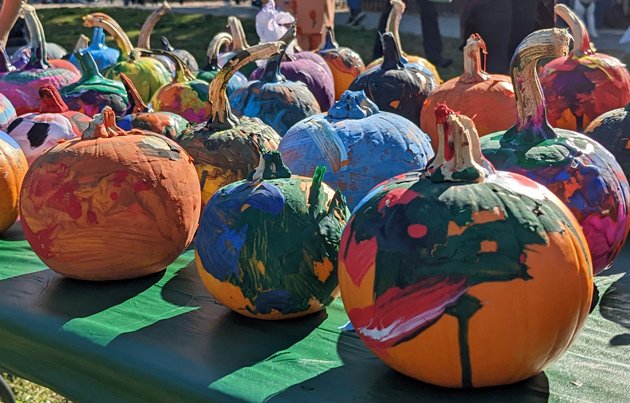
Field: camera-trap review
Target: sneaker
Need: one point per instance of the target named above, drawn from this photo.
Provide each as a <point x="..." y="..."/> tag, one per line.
<point x="357" y="19"/>
<point x="351" y="19"/>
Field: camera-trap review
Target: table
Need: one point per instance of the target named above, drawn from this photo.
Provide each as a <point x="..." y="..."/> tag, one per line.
<point x="164" y="339"/>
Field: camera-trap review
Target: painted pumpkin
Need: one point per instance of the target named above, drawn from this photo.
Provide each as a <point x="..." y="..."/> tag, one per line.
<point x="22" y="87"/>
<point x="103" y="55"/>
<point x="582" y="173"/>
<point x="273" y="99"/>
<point x="7" y="112"/>
<point x="211" y="69"/>
<point x="442" y="273"/>
<point x="267" y="246"/>
<point x="54" y="123"/>
<point x="183" y="54"/>
<point x="612" y="130"/>
<point x="584" y="84"/>
<point x="359" y="145"/>
<point x="393" y="86"/>
<point x="488" y="99"/>
<point x="185" y="96"/>
<point x="227" y="148"/>
<point x="140" y="116"/>
<point x="422" y="64"/>
<point x="144" y="39"/>
<point x="345" y="64"/>
<point x="93" y="92"/>
<point x="13" y="167"/>
<point x="147" y="74"/>
<point x="89" y="205"/>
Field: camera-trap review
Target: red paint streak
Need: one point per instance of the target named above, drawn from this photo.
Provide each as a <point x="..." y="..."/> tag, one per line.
<point x="119" y="178"/>
<point x="65" y="200"/>
<point x="359" y="257"/>
<point x="41" y="242"/>
<point x="417" y="230"/>
<point x="113" y="196"/>
<point x="141" y="186"/>
<point x="91" y="217"/>
<point x="442" y="113"/>
<point x="397" y="196"/>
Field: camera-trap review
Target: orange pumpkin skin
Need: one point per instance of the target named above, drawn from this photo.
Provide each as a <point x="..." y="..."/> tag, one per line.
<point x="13" y="167"/>
<point x="345" y="64"/>
<point x="111" y="208"/>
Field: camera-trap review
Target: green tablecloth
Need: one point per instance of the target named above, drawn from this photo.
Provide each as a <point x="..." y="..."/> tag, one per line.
<point x="163" y="338"/>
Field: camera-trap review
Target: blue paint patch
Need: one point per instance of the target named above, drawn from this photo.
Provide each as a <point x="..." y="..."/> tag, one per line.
<point x="267" y="197"/>
<point x="8" y="139"/>
<point x="280" y="300"/>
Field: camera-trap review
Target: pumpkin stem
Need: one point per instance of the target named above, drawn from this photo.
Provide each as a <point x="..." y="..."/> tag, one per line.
<point x="582" y="42"/>
<point x="270" y="166"/>
<point x="473" y="71"/>
<point x="39" y="58"/>
<point x="222" y="117"/>
<point x="9" y="14"/>
<point x="136" y="104"/>
<point x="272" y="73"/>
<point x="82" y="43"/>
<point x="239" y="40"/>
<point x="88" y="66"/>
<point x="329" y="41"/>
<point x="182" y="71"/>
<point x="392" y="59"/>
<point x="5" y="62"/>
<point x="214" y="48"/>
<point x="51" y="101"/>
<point x="393" y="21"/>
<point x="103" y="126"/>
<point x="98" y="39"/>
<point x="353" y="105"/>
<point x="166" y="44"/>
<point x="530" y="101"/>
<point x="107" y="23"/>
<point x="459" y="157"/>
<point x="144" y="40"/>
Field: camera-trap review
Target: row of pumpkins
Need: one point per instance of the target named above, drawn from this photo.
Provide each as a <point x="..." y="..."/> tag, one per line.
<point x="466" y="262"/>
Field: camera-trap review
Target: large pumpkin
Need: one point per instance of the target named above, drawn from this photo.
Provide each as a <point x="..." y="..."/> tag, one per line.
<point x="582" y="173"/>
<point x="13" y="167"/>
<point x="7" y="112"/>
<point x="612" y="130"/>
<point x="359" y="145"/>
<point x="488" y="99"/>
<point x="267" y="247"/>
<point x="345" y="64"/>
<point x="463" y="276"/>
<point x="147" y="74"/>
<point x="211" y="69"/>
<point x="227" y="148"/>
<point x="393" y="86"/>
<point x="273" y="99"/>
<point x="103" y="55"/>
<point x="111" y="205"/>
<point x="584" y="84"/>
<point x="54" y="123"/>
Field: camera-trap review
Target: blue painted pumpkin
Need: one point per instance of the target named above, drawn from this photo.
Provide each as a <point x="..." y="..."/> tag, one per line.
<point x="360" y="145"/>
<point x="103" y="55"/>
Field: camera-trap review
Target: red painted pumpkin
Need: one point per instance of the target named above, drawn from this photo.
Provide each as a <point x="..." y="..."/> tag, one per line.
<point x="111" y="205"/>
<point x="585" y="84"/>
<point x="464" y="276"/>
<point x="488" y="99"/>
<point x="13" y="167"/>
<point x="345" y="64"/>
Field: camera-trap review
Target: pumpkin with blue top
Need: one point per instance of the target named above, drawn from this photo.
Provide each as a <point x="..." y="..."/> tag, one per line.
<point x="103" y="55"/>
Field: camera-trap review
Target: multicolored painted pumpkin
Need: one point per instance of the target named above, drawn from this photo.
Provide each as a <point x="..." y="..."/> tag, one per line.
<point x="93" y="92"/>
<point x="140" y="116"/>
<point x="422" y="64"/>
<point x="103" y="55"/>
<point x="144" y="39"/>
<point x="54" y="123"/>
<point x="7" y="112"/>
<point x="359" y="145"/>
<point x="183" y="54"/>
<point x="273" y="99"/>
<point x="147" y="74"/>
<point x="185" y="96"/>
<point x="488" y="99"/>
<point x="89" y="205"/>
<point x="393" y="86"/>
<point x="582" y="173"/>
<point x="345" y="64"/>
<point x="442" y="273"/>
<point x="267" y="247"/>
<point x="210" y="70"/>
<point x="22" y="87"/>
<point x="227" y="148"/>
<point x="13" y="167"/>
<point x="585" y="84"/>
<point x="612" y="130"/>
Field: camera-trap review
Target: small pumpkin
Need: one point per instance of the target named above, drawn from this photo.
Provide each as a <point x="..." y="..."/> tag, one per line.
<point x="443" y="273"/>
<point x="183" y="54"/>
<point x="53" y="123"/>
<point x="584" y="84"/>
<point x="89" y="205"/>
<point x="103" y="55"/>
<point x="13" y="167"/>
<point x="273" y="99"/>
<point x="345" y="64"/>
<point x="267" y="246"/>
<point x="582" y="173"/>
<point x="612" y="130"/>
<point x="359" y="145"/>
<point x="227" y="148"/>
<point x="211" y="69"/>
<point x="7" y="112"/>
<point x="147" y="74"/>
<point x="185" y="96"/>
<point x="393" y="86"/>
<point x="488" y="99"/>
<point x="144" y="39"/>
<point x="93" y="92"/>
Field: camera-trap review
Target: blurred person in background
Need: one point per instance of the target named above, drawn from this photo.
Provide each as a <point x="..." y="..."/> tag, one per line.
<point x="356" y="13"/>
<point x="312" y="19"/>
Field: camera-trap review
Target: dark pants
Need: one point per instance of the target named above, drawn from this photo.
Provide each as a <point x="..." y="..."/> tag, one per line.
<point x="431" y="39"/>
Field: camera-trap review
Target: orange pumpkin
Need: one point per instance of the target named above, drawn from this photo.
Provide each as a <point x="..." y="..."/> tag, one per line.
<point x="345" y="64"/>
<point x="111" y="205"/>
<point x="13" y="167"/>
<point x="488" y="99"/>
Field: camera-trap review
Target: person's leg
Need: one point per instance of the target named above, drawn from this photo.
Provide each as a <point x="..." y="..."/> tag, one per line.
<point x="382" y="25"/>
<point x="431" y="38"/>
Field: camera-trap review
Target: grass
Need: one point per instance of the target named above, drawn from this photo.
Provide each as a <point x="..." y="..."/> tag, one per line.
<point x="28" y="392"/>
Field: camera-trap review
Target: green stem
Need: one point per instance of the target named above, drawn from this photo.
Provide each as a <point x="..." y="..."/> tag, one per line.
<point x="463" y="311"/>
<point x="88" y="65"/>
